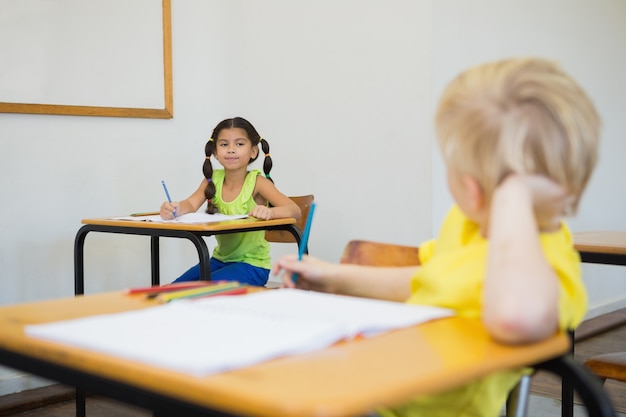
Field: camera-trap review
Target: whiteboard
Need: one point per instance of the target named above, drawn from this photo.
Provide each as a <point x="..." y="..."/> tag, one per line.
<point x="86" y="57"/>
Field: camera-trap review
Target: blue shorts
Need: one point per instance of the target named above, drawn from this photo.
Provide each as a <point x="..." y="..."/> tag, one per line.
<point x="229" y="271"/>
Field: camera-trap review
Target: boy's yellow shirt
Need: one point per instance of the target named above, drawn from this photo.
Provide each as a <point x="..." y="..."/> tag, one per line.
<point x="451" y="276"/>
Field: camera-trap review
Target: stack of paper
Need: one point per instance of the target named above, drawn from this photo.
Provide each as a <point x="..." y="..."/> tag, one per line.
<point x="211" y="335"/>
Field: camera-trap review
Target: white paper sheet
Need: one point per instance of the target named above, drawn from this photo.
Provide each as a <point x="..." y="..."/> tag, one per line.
<point x="210" y="335"/>
<point x="185" y="218"/>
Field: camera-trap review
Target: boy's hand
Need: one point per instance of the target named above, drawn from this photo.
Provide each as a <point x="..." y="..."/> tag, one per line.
<point x="312" y="273"/>
<point x="262" y="212"/>
<point x="549" y="200"/>
<point x="168" y="209"/>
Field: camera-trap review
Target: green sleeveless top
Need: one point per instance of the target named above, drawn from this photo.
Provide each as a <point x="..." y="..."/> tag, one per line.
<point x="248" y="247"/>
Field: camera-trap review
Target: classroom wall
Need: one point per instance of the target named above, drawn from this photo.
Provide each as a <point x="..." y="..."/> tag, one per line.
<point x="344" y="93"/>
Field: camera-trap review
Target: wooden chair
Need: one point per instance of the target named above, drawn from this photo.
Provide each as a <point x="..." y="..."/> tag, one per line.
<point x="583" y="382"/>
<point x="282" y="236"/>
<point x="363" y="252"/>
<point x="608" y="366"/>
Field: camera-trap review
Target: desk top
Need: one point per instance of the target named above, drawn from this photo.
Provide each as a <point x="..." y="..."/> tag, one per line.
<point x="349" y="378"/>
<point x="611" y="242"/>
<point x="240" y="224"/>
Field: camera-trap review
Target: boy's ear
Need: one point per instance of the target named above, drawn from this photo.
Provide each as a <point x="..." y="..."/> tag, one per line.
<point x="475" y="192"/>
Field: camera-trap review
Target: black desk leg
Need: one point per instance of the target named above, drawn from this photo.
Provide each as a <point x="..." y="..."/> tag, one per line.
<point x="205" y="260"/>
<point x="80" y="403"/>
<point x="79" y="264"/>
<point x="198" y="242"/>
<point x="567" y="387"/>
<point x="567" y="398"/>
<point x="155" y="260"/>
<point x="79" y="289"/>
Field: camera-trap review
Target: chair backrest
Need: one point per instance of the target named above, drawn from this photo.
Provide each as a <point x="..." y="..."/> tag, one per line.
<point x="282" y="236"/>
<point x="364" y="252"/>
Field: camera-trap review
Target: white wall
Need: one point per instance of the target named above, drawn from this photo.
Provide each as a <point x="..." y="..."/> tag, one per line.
<point x="342" y="90"/>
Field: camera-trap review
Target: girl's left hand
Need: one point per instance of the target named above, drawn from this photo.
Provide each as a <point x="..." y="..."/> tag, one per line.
<point x="262" y="212"/>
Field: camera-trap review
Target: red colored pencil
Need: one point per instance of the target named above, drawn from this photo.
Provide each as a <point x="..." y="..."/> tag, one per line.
<point x="156" y="289"/>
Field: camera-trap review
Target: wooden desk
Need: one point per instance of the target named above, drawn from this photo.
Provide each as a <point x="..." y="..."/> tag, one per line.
<point x="344" y="380"/>
<point x="192" y="232"/>
<point x="601" y="247"/>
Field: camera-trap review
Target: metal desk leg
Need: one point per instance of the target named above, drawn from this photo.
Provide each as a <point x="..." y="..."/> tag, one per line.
<point x="567" y="399"/>
<point x="201" y="247"/>
<point x="587" y="385"/>
<point x="155" y="260"/>
<point x="79" y="264"/>
<point x="198" y="242"/>
<point x="204" y="257"/>
<point x="80" y="403"/>
<point x="567" y="388"/>
<point x="297" y="235"/>
<point x="79" y="289"/>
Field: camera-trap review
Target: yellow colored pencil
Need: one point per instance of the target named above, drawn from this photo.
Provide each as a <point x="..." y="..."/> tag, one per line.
<point x="197" y="292"/>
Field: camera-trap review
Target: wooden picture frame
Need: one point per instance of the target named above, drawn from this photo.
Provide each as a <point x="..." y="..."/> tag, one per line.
<point x="166" y="112"/>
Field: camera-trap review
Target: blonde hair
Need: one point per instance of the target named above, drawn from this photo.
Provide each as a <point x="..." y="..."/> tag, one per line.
<point x="523" y="116"/>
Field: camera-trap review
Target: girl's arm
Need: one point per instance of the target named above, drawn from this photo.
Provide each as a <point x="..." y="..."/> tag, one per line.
<point x="282" y="206"/>
<point x="521" y="289"/>
<point x="387" y="283"/>
<point x="190" y="205"/>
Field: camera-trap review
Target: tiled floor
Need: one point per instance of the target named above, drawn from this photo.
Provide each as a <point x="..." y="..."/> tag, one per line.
<point x="548" y="407"/>
<point x="96" y="407"/>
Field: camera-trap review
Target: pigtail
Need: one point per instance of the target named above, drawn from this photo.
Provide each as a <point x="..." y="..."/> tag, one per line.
<point x="267" y="162"/>
<point x="207" y="169"/>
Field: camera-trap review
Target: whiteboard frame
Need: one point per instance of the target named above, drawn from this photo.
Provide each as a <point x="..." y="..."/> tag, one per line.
<point x="165" y="113"/>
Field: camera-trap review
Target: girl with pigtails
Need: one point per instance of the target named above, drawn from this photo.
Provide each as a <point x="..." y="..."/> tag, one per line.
<point x="242" y="257"/>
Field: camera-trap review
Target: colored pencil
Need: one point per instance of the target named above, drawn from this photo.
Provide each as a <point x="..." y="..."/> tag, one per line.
<point x="305" y="238"/>
<point x="197" y="292"/>
<point x="167" y="194"/>
<point x="177" y="286"/>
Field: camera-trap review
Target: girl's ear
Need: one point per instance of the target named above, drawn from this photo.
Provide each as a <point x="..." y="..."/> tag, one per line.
<point x="475" y="193"/>
<point x="255" y="151"/>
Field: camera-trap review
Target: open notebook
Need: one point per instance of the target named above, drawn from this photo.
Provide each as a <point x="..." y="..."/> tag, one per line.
<point x="197" y="217"/>
<point x="210" y="335"/>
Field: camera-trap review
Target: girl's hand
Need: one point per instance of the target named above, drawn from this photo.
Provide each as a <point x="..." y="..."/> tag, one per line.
<point x="262" y="212"/>
<point x="313" y="273"/>
<point x="168" y="209"/>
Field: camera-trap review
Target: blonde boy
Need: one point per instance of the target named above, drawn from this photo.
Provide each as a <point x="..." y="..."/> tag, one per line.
<point x="519" y="138"/>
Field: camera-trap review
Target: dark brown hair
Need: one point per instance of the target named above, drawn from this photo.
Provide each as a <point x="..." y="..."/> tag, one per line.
<point x="209" y="149"/>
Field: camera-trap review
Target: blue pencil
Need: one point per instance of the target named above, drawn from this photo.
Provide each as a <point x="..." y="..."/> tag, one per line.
<point x="305" y="238"/>
<point x="167" y="194"/>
